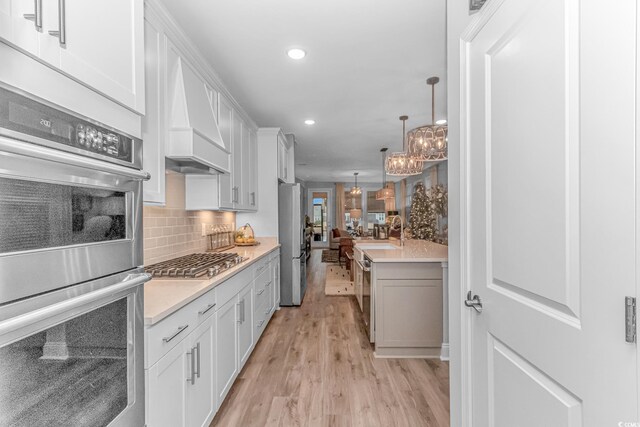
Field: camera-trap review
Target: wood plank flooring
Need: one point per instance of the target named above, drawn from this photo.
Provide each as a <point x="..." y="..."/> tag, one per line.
<point x="314" y="366"/>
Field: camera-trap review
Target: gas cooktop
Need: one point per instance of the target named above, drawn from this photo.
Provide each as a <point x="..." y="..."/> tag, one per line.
<point x="194" y="265"/>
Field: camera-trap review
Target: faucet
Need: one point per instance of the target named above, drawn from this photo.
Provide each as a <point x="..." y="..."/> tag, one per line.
<point x="393" y="225"/>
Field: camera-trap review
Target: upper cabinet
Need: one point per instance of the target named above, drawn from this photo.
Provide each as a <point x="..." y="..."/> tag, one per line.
<point x="98" y="43"/>
<point x="193" y="125"/>
<point x="286" y="171"/>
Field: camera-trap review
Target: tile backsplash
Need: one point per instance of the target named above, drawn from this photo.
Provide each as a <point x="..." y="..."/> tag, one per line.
<point x="171" y="231"/>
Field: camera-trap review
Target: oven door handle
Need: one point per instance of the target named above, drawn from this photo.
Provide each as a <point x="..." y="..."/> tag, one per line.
<point x="71" y="305"/>
<point x="363" y="267"/>
<point x="33" y="150"/>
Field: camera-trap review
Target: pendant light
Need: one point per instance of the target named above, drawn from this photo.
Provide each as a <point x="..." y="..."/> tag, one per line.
<point x="355" y="190"/>
<point x="355" y="212"/>
<point x="429" y="143"/>
<point x="401" y="163"/>
<point x="386" y="192"/>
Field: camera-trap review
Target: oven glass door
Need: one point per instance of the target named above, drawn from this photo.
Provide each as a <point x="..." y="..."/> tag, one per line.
<point x="64" y="220"/>
<point x="79" y="367"/>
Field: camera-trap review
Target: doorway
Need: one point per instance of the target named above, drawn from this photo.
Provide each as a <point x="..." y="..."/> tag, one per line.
<point x="320" y="213"/>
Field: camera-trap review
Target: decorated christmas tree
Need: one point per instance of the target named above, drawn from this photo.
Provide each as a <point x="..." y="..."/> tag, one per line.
<point x="423" y="214"/>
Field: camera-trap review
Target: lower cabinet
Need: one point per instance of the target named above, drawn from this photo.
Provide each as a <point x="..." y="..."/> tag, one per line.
<point x="227" y="344"/>
<point x="180" y="385"/>
<point x="245" y="322"/>
<point x="196" y="353"/>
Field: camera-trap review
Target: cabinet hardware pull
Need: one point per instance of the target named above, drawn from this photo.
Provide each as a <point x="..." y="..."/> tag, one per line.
<point x="269" y="283"/>
<point x="61" y="33"/>
<point x="261" y="292"/>
<point x="243" y="310"/>
<point x="175" y="334"/>
<point x="36" y="17"/>
<point x="207" y="308"/>
<point x="260" y="323"/>
<point x="239" y="313"/>
<point x="198" y="359"/>
<point x="192" y="377"/>
<point x="268" y="311"/>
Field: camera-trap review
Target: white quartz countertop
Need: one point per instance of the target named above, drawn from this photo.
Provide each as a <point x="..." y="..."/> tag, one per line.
<point x="165" y="296"/>
<point x="413" y="251"/>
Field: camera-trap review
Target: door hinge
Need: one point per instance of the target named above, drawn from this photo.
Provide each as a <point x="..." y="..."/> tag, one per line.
<point x="630" y="319"/>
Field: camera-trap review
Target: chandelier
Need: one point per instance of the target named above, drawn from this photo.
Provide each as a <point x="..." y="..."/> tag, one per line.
<point x="401" y="163"/>
<point x="386" y="192"/>
<point x="355" y="190"/>
<point x="429" y="143"/>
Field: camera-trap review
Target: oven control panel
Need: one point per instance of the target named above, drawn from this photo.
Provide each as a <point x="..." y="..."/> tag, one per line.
<point x="37" y="122"/>
<point x="94" y="139"/>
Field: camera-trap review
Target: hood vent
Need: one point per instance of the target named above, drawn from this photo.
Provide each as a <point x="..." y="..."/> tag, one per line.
<point x="195" y="144"/>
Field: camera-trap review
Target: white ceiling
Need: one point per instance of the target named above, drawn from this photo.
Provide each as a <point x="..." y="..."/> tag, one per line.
<point x="366" y="64"/>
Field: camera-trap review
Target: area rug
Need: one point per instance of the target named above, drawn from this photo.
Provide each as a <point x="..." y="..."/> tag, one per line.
<point x="337" y="281"/>
<point x="329" y="255"/>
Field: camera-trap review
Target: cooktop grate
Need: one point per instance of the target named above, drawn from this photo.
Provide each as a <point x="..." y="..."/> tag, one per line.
<point x="194" y="265"/>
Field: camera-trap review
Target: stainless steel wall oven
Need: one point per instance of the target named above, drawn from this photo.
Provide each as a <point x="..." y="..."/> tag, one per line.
<point x="71" y="300"/>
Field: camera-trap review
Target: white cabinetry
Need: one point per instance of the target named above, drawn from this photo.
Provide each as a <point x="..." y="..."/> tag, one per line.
<point x="245" y="324"/>
<point x="100" y="43"/>
<point x="193" y="356"/>
<point x="227" y="336"/>
<point x="408" y="309"/>
<point x="154" y="133"/>
<point x="237" y="190"/>
<point x="179" y="355"/>
<point x="275" y="158"/>
<point x="286" y="171"/>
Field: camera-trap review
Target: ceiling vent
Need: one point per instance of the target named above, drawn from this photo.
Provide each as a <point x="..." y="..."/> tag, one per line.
<point x="195" y="144"/>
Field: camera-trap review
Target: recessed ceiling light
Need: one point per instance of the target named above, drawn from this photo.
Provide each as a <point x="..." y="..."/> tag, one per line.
<point x="309" y="122"/>
<point x="296" y="53"/>
<point x="441" y="122"/>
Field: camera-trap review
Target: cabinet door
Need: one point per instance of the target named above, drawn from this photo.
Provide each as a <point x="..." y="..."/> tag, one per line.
<point x="225" y="122"/>
<point x="15" y="28"/>
<point x="201" y="396"/>
<point x="253" y="147"/>
<point x="227" y="348"/>
<point x="105" y="48"/>
<point x="153" y="123"/>
<point x="276" y="282"/>
<point x="248" y="173"/>
<point x="167" y="389"/>
<point x="282" y="160"/>
<point x="238" y="185"/>
<point x="245" y="324"/>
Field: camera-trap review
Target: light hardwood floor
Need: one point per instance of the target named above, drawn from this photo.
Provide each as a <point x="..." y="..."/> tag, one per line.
<point x="314" y="366"/>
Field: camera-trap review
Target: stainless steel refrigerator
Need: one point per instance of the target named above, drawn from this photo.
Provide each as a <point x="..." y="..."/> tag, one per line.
<point x="293" y="269"/>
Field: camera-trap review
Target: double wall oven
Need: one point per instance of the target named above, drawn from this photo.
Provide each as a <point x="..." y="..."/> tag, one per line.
<point x="71" y="300"/>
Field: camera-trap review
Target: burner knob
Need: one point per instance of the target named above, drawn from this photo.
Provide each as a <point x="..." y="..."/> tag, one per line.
<point x="214" y="271"/>
<point x="228" y="263"/>
<point x="239" y="259"/>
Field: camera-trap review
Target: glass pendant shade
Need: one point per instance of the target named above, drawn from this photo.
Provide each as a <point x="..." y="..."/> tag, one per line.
<point x="428" y="143"/>
<point x="355" y="190"/>
<point x="401" y="163"/>
<point x="387" y="191"/>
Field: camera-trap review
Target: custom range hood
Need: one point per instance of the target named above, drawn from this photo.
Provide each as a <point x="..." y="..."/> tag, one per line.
<point x="195" y="145"/>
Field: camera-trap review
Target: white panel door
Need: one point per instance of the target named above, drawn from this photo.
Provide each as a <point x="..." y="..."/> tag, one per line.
<point x="226" y="348"/>
<point x="550" y="94"/>
<point x="225" y="123"/>
<point x="105" y="48"/>
<point x="17" y="29"/>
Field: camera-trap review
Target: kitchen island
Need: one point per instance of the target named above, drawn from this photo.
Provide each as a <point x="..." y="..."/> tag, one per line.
<point x="405" y="292"/>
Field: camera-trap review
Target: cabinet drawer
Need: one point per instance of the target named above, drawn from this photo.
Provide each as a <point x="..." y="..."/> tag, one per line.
<point x="232" y="286"/>
<point x="263" y="286"/>
<point x="260" y="266"/>
<point x="408" y="270"/>
<point x="169" y="332"/>
<point x="205" y="305"/>
<point x="260" y="319"/>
